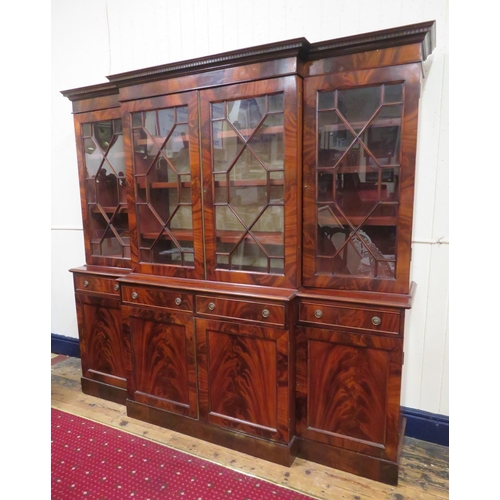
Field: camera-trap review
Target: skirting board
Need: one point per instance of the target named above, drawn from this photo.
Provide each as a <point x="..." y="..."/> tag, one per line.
<point x="69" y="346"/>
<point x="420" y="424"/>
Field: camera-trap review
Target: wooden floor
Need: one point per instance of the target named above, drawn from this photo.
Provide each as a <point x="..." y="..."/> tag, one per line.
<point x="423" y="473"/>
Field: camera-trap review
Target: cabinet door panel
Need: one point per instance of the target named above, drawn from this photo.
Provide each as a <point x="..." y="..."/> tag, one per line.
<point x="359" y="161"/>
<point x="250" y="147"/>
<point x="101" y="343"/>
<point x="164" y="160"/>
<point x="163" y="361"/>
<point x="349" y="390"/>
<point x="244" y="378"/>
<point x="103" y="186"/>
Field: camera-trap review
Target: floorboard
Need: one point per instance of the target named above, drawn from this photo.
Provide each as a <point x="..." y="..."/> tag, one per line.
<point x="424" y="472"/>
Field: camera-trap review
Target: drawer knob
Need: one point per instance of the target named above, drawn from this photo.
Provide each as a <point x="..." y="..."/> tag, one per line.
<point x="376" y="320"/>
<point x="85" y="284"/>
<point x="318" y="313"/>
<point x="178" y="301"/>
<point x="117" y="287"/>
<point x="211" y="306"/>
<point x="135" y="295"/>
<point x="265" y="313"/>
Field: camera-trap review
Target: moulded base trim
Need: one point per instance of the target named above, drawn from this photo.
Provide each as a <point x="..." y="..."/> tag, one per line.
<point x="282" y="454"/>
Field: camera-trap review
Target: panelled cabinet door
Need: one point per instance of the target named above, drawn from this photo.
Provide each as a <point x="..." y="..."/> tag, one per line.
<point x="163" y="360"/>
<point x="244" y="377"/>
<point x="103" y="186"/>
<point x="348" y="390"/>
<point x="165" y="174"/>
<point x="101" y="343"/>
<point x="360" y="132"/>
<point x="250" y="148"/>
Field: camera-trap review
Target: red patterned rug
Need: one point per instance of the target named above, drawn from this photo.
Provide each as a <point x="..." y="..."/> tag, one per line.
<point x="91" y="460"/>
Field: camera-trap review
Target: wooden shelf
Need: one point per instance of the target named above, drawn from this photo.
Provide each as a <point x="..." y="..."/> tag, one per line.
<point x="109" y="210"/>
<point x="250" y="183"/>
<point x="141" y="183"/>
<point x="384" y="122"/>
<point x="178" y="234"/>
<point x="267" y="238"/>
<point x="356" y="220"/>
<point x="278" y="129"/>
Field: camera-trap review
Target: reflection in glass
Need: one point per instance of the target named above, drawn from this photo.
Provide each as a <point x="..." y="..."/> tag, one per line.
<point x="105" y="187"/>
<point x="248" y="176"/>
<point x="358" y="167"/>
<point x="163" y="178"/>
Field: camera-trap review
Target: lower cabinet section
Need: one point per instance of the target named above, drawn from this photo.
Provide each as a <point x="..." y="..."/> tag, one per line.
<point x="163" y="371"/>
<point x="101" y="345"/>
<point x="244" y="378"/>
<point x="272" y="377"/>
<point x="348" y="401"/>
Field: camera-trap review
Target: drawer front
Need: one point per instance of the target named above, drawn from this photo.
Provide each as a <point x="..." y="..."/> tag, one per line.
<point x="373" y="319"/>
<point x="86" y="283"/>
<point x="262" y="312"/>
<point x="171" y="299"/>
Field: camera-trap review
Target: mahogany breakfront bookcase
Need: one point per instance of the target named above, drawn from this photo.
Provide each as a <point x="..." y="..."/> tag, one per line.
<point x="247" y="222"/>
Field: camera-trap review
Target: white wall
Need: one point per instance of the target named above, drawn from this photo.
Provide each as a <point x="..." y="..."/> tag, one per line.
<point x="95" y="38"/>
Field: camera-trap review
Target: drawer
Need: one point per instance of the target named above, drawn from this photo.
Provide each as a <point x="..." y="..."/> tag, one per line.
<point x="171" y="299"/>
<point x="263" y="312"/>
<point x="365" y="318"/>
<point x="86" y="283"/>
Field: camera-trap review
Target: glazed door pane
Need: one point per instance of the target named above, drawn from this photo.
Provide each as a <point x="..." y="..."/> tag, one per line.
<point x="358" y="150"/>
<point x="245" y="166"/>
<point x="105" y="188"/>
<point x="166" y="175"/>
<point x="355" y="128"/>
<point x="163" y="182"/>
<point x="247" y="140"/>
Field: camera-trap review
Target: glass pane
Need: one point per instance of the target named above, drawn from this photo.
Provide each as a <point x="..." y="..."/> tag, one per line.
<point x="218" y="110"/>
<point x="267" y="142"/>
<point x="163" y="177"/>
<point x="358" y="181"/>
<point x="226" y="145"/>
<point x="383" y="136"/>
<point x="326" y="100"/>
<point x="249" y="217"/>
<point x="359" y="105"/>
<point x="249" y="256"/>
<point x="105" y="188"/>
<point x="393" y="93"/>
<point x="275" y="103"/>
<point x="93" y="157"/>
<point x="177" y="149"/>
<point x="334" y="138"/>
<point x="246" y="114"/>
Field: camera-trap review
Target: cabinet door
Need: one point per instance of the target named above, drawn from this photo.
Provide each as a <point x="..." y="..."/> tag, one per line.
<point x="251" y="165"/>
<point x="245" y="377"/>
<point x="164" y="151"/>
<point x="103" y="186"/>
<point x="101" y="346"/>
<point x="348" y="390"/>
<point x="360" y="133"/>
<point x="163" y="360"/>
